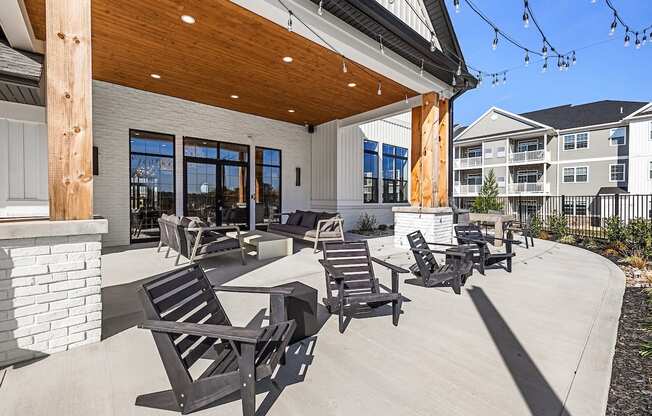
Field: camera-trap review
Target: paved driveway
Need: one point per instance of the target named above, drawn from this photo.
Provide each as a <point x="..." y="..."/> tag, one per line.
<point x="537" y="341"/>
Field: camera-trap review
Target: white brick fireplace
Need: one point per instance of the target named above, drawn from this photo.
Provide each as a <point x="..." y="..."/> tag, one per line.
<point x="436" y="224"/>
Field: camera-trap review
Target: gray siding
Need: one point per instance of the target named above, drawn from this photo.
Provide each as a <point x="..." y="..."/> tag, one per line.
<point x="598" y="146"/>
<point x="598" y="177"/>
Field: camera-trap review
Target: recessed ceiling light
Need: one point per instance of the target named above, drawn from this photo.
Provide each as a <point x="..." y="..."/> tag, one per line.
<point x="290" y="111"/>
<point x="155" y="76"/>
<point x="351" y="84"/>
<point x="287" y="59"/>
<point x="235" y="97"/>
<point x="188" y="19"/>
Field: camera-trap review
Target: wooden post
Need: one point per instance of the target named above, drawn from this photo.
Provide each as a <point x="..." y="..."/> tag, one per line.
<point x="425" y="153"/>
<point x="69" y="109"/>
<point x="443" y="170"/>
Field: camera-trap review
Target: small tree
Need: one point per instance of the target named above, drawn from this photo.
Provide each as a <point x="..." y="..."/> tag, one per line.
<point x="488" y="198"/>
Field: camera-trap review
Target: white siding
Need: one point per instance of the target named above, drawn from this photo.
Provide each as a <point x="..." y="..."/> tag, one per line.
<point x="324" y="166"/>
<point x="404" y="12"/>
<point x="640" y="156"/>
<point x="117" y="109"/>
<point x="23" y="161"/>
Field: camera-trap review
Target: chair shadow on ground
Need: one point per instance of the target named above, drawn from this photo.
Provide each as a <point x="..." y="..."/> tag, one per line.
<point x="122" y="308"/>
<point x="537" y="393"/>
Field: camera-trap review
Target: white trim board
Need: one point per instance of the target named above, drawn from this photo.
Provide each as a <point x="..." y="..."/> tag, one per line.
<point x="590" y="159"/>
<point x="17" y="27"/>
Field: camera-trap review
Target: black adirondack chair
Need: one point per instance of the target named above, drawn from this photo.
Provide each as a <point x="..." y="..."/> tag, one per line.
<point x="430" y="273"/>
<point x="471" y="235"/>
<point x="175" y="303"/>
<point x="350" y="280"/>
<point x="525" y="229"/>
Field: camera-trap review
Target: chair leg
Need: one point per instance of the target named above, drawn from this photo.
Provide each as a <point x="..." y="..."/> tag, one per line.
<point x="316" y="242"/>
<point x="176" y="262"/>
<point x="160" y="244"/>
<point x="167" y="252"/>
<point x="340" y="318"/>
<point x="247" y="380"/>
<point x="242" y="256"/>
<point x="509" y="264"/>
<point x="396" y="310"/>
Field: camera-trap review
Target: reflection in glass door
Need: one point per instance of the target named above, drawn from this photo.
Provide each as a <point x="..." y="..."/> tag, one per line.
<point x="216" y="185"/>
<point x="201" y="188"/>
<point x="268" y="185"/>
<point x="151" y="187"/>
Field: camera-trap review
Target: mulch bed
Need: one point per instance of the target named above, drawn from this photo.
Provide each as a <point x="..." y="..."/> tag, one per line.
<point x="630" y="392"/>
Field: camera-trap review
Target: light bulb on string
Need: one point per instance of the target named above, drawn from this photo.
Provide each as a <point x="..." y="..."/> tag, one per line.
<point x="459" y="69"/>
<point x="626" y="38"/>
<point x="637" y="43"/>
<point x="421" y="69"/>
<point x="494" y="44"/>
<point x="454" y="82"/>
<point x="544" y="68"/>
<point x="504" y="78"/>
<point x="320" y="10"/>
<point x="526" y="17"/>
<point x="380" y="89"/>
<point x="406" y="99"/>
<point x="432" y="42"/>
<point x="344" y="68"/>
<point x="644" y="39"/>
<point x="382" y="48"/>
<point x="527" y="58"/>
<point x="456" y="3"/>
<point x="544" y="50"/>
<point x="289" y="21"/>
<point x="614" y="25"/>
<point x="574" y="58"/>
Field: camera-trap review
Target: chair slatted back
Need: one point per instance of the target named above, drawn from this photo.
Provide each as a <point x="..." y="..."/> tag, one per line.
<point x="171" y="232"/>
<point x="466" y="233"/>
<point x="425" y="260"/>
<point x="185" y="295"/>
<point x="353" y="260"/>
<point x="163" y="231"/>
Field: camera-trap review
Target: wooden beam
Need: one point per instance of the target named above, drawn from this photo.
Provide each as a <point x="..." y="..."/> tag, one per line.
<point x="442" y="174"/>
<point x="415" y="159"/>
<point x="69" y="110"/>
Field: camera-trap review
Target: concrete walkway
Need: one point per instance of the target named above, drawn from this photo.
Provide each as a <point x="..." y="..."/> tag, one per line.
<point x="537" y="341"/>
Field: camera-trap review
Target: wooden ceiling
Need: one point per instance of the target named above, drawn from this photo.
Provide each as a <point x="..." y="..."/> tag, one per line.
<point x="229" y="50"/>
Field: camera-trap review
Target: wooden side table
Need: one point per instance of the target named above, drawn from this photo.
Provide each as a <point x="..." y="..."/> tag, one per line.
<point x="301" y="306"/>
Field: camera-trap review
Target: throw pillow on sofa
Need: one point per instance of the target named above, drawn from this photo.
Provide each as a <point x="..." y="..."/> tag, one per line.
<point x="295" y="218"/>
<point x="309" y="219"/>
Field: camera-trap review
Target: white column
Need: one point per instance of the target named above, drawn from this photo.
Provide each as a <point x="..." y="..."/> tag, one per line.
<point x="179" y="176"/>
<point x="252" y="184"/>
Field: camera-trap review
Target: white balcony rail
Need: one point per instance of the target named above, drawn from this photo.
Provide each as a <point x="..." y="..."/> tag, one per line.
<point x="529" y="156"/>
<point x="533" y="187"/>
<point x="460" y="189"/>
<point x="468" y="162"/>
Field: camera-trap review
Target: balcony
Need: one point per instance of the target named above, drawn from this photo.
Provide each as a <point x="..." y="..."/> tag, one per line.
<point x="468" y="162"/>
<point x="466" y="190"/>
<point x="527" y="157"/>
<point x="528" y="187"/>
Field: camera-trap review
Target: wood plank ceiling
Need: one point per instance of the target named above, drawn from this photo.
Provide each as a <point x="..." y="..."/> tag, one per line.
<point x="228" y="51"/>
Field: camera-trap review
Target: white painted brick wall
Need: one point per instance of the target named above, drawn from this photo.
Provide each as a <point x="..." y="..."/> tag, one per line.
<point x="436" y="228"/>
<point x="117" y="109"/>
<point x="49" y="295"/>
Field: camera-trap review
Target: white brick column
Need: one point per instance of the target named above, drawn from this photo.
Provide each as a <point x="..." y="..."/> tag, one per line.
<point x="50" y="287"/>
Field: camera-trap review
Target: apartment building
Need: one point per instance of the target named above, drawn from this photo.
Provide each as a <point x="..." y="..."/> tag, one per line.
<point x="599" y="148"/>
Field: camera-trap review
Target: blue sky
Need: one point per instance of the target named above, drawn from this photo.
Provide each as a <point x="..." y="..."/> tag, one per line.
<point x="605" y="71"/>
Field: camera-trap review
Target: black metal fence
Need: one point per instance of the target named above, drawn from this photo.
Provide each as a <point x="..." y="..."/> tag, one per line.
<point x="586" y="214"/>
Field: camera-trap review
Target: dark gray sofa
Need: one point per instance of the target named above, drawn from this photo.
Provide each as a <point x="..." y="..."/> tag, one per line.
<point x="310" y="226"/>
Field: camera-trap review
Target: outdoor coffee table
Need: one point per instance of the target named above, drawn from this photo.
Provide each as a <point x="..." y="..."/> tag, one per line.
<point x="468" y="251"/>
<point x="266" y="244"/>
<point x="301" y="306"/>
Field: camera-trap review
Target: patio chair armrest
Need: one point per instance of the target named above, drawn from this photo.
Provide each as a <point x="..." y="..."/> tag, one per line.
<point x="447" y="253"/>
<point x="231" y="333"/>
<point x="334" y="220"/>
<point x="471" y="240"/>
<point x="442" y="244"/>
<point x="261" y="290"/>
<point x="506" y="240"/>
<point x="330" y="269"/>
<point x="216" y="228"/>
<point x="389" y="265"/>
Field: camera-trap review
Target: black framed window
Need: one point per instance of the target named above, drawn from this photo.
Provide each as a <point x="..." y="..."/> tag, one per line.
<point x="268" y="184"/>
<point x="395" y="173"/>
<point x="151" y="183"/>
<point x="370" y="176"/>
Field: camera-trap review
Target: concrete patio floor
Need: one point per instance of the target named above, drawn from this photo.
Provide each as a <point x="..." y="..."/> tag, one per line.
<point x="537" y="341"/>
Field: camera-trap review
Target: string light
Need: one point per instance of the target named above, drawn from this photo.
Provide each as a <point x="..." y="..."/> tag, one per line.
<point x="432" y="42"/>
<point x="380" y="40"/>
<point x="459" y="69"/>
<point x="526" y="16"/>
<point x="626" y="37"/>
<point x="320" y="10"/>
<point x="619" y="20"/>
<point x="290" y="21"/>
<point x="644" y="39"/>
<point x="544" y="68"/>
<point x="344" y="68"/>
<point x="527" y="58"/>
<point x="456" y="3"/>
<point x="544" y="50"/>
<point x="454" y="82"/>
<point x="494" y="44"/>
<point x="504" y="77"/>
<point x="421" y="69"/>
<point x="637" y="42"/>
<point x="380" y="89"/>
<point x="614" y="25"/>
<point x="574" y="58"/>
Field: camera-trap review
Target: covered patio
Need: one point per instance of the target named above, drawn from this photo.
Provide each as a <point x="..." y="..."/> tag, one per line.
<point x="536" y="341"/>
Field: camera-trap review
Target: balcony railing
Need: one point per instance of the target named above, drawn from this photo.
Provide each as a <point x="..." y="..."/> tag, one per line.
<point x="468" y="162"/>
<point x="531" y="187"/>
<point x="529" y="156"/>
<point x="460" y="189"/>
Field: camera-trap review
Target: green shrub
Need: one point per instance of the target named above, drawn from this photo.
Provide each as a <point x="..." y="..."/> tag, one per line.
<point x="536" y="225"/>
<point x="567" y="239"/>
<point x="382" y="227"/>
<point x="558" y="225"/>
<point x="615" y="229"/>
<point x="366" y="222"/>
<point x="638" y="234"/>
<point x="591" y="244"/>
<point x="636" y="261"/>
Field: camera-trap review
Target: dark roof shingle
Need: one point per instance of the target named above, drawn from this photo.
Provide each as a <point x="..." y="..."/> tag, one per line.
<point x="570" y="116"/>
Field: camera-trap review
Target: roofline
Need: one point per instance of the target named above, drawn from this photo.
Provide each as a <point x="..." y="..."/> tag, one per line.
<point x="505" y="113"/>
<point x="592" y="126"/>
<point x="646" y="107"/>
<point x="512" y="135"/>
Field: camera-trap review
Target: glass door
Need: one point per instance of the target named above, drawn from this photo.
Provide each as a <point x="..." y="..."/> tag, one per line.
<point x="151" y="183"/>
<point x="217" y="184"/>
<point x="268" y="185"/>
